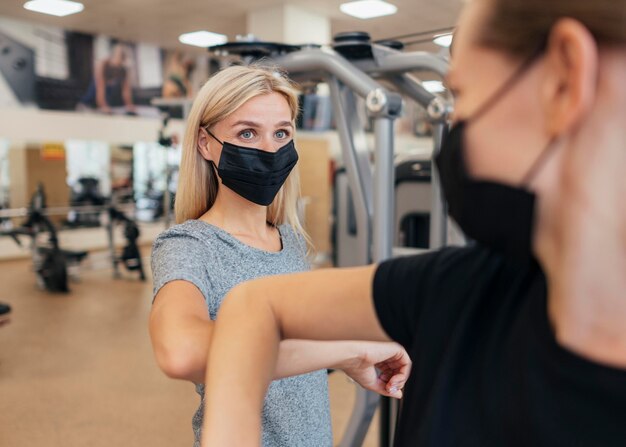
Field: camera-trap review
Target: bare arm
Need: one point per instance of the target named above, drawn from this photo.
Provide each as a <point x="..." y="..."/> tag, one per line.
<point x="181" y="332"/>
<point x="101" y="100"/>
<point x="127" y="91"/>
<point x="180" y="329"/>
<point x="330" y="305"/>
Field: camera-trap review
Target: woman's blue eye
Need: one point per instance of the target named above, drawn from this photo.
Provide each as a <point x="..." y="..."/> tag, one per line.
<point x="281" y="134"/>
<point x="246" y="134"/>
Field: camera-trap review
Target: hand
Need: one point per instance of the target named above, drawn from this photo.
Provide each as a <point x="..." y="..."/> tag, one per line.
<point x="380" y="367"/>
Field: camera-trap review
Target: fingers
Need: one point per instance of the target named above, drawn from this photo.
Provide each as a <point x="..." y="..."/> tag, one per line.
<point x="400" y="368"/>
<point x="384" y="385"/>
<point x="393" y="391"/>
<point x="392" y="383"/>
<point x="390" y="365"/>
<point x="386" y="372"/>
<point x="385" y="389"/>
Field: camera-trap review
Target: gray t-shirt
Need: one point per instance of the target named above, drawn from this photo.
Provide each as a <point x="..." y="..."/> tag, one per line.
<point x="296" y="412"/>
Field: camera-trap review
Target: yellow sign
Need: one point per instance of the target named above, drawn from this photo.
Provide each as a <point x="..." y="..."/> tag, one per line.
<point x="53" y="151"/>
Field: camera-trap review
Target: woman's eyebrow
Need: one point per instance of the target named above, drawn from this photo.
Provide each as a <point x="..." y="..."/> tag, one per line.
<point x="258" y="125"/>
<point x="247" y="123"/>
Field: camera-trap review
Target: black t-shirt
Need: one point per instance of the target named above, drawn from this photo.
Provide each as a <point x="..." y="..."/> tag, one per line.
<point x="487" y="370"/>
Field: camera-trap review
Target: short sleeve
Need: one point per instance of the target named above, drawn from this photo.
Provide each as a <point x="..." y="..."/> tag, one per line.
<point x="427" y="293"/>
<point x="399" y="290"/>
<point x="179" y="256"/>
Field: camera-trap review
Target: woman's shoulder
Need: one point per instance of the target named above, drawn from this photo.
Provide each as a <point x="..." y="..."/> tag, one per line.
<point x="193" y="233"/>
<point x="190" y="243"/>
<point x="189" y="228"/>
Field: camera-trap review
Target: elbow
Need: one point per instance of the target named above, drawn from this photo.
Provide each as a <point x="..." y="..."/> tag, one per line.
<point x="179" y="363"/>
<point x="180" y="347"/>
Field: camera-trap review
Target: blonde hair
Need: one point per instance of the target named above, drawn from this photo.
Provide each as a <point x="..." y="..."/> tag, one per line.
<point x="222" y="95"/>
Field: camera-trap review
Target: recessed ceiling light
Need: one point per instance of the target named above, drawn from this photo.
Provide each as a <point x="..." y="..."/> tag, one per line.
<point x="434" y="86"/>
<point x="59" y="8"/>
<point x="368" y="9"/>
<point x="443" y="40"/>
<point x="202" y="38"/>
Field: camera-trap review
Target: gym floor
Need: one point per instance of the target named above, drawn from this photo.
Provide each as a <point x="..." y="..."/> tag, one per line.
<point x="77" y="370"/>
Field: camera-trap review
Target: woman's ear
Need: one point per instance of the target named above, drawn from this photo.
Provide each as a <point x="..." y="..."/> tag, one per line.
<point x="571" y="76"/>
<point x="204" y="145"/>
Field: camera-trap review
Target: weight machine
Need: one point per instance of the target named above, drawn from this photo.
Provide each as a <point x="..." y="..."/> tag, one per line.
<point x="50" y="262"/>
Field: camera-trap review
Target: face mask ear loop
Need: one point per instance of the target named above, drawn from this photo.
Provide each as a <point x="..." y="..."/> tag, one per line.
<point x="214" y="137"/>
<point x="540" y="161"/>
<point x="211" y="162"/>
<point x="495" y="97"/>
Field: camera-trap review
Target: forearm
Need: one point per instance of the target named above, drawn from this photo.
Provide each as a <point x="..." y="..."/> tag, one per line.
<point x="101" y="97"/>
<point x="237" y="379"/>
<point x="302" y="356"/>
<point x="127" y="94"/>
<point x="295" y="357"/>
<point x="184" y="355"/>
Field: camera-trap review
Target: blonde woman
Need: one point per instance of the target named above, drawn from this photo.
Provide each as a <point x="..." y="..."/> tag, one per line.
<point x="236" y="208"/>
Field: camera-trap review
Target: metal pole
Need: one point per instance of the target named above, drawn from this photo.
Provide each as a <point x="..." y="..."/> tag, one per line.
<point x="382" y="234"/>
<point x="387" y="60"/>
<point x="328" y="61"/>
<point x="59" y="210"/>
<point x="360" y="419"/>
<point x="357" y="176"/>
<point x="438" y="212"/>
<point x="111" y="234"/>
<point x="412" y="87"/>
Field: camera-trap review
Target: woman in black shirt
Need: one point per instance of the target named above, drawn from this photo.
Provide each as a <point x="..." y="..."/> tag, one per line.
<point x="520" y="339"/>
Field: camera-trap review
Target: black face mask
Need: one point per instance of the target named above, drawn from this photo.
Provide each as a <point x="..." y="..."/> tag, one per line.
<point x="254" y="174"/>
<point x="496" y="215"/>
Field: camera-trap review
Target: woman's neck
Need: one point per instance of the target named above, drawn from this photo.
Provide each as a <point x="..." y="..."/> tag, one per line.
<point x="581" y="232"/>
<point x="236" y="215"/>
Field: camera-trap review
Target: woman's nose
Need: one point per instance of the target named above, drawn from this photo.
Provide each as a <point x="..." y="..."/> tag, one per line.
<point x="269" y="144"/>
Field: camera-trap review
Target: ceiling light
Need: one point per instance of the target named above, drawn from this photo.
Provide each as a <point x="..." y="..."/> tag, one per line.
<point x="434" y="86"/>
<point x="203" y="38"/>
<point x="443" y="40"/>
<point x="367" y="9"/>
<point x="59" y="8"/>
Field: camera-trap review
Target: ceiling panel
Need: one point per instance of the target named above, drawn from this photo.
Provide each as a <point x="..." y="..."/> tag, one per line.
<point x="162" y="21"/>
